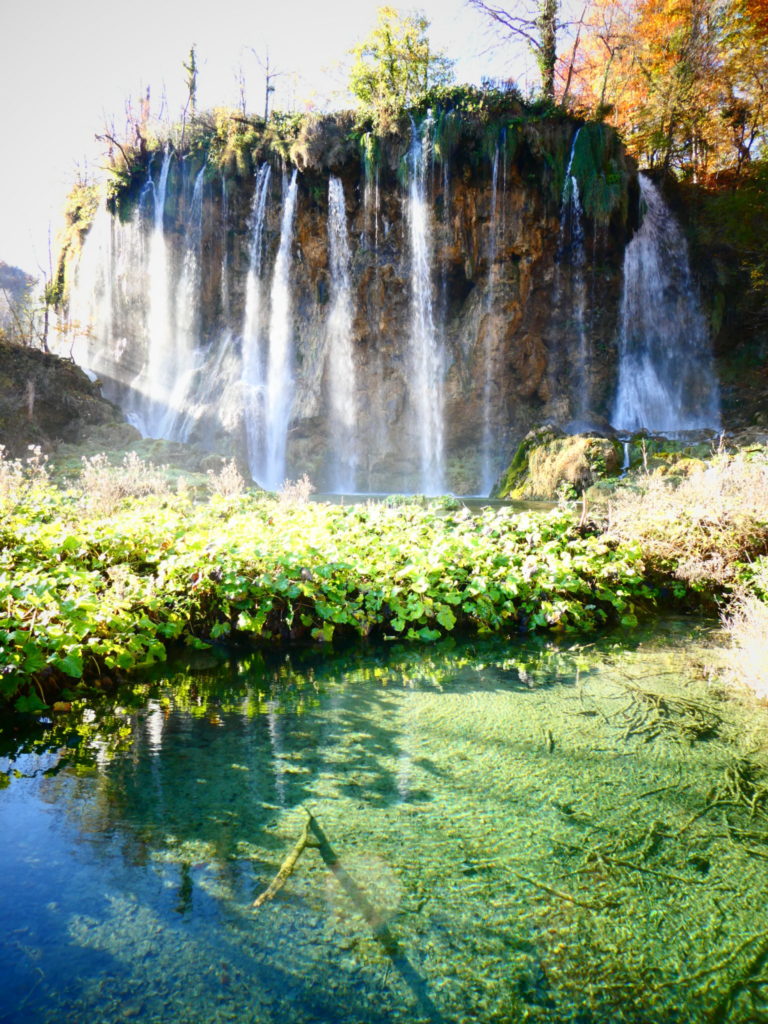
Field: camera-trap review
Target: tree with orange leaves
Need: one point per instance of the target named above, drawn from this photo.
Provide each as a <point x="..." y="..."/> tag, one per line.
<point x="685" y="81"/>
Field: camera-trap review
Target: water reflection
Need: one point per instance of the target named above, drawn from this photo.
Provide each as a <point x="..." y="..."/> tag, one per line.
<point x="551" y="833"/>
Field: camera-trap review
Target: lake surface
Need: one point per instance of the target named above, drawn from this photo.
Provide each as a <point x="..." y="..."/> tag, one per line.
<point x="544" y="832"/>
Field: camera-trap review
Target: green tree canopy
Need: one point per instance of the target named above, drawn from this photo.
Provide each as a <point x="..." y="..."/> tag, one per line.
<point x="394" y="67"/>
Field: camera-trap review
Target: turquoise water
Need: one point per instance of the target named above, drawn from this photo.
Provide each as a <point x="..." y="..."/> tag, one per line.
<point x="548" y="833"/>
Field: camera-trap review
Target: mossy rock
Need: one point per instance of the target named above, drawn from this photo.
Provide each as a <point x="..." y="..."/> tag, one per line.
<point x="680" y="467"/>
<point x="665" y="450"/>
<point x="548" y="461"/>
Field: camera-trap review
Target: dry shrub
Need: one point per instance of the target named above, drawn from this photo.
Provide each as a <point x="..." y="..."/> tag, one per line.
<point x="226" y="482"/>
<point x="747" y="623"/>
<point x="19" y="477"/>
<point x="324" y="142"/>
<point x="704" y="525"/>
<point x="296" y="492"/>
<point x="104" y="485"/>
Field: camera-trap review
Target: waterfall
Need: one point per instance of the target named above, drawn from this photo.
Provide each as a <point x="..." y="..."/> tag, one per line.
<point x="426" y="356"/>
<point x="186" y="355"/>
<point x="279" y="394"/>
<point x="91" y="297"/>
<point x="341" y="367"/>
<point x="666" y="379"/>
<point x="378" y="420"/>
<point x="487" y="443"/>
<point x="226" y="297"/>
<point x="253" y="371"/>
<point x="158" y="380"/>
<point x="572" y="229"/>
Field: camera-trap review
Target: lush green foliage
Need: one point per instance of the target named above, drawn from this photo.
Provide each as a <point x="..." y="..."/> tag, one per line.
<point x="599" y="166"/>
<point x="395" y="67"/>
<point x="91" y="595"/>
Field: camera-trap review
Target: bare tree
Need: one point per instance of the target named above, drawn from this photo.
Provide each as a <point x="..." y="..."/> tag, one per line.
<point x="270" y="73"/>
<point x="191" y="67"/>
<point x="241" y="91"/>
<point x="536" y="23"/>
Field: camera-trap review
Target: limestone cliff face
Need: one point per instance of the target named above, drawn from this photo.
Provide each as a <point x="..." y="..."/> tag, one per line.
<point x="523" y="298"/>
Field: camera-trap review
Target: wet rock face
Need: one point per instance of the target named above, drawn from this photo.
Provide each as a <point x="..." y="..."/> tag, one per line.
<point x="503" y="289"/>
<point x="503" y="308"/>
<point x="45" y="399"/>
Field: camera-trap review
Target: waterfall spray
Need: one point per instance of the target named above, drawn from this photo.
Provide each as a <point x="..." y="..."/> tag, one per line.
<point x="341" y="367"/>
<point x="487" y="446"/>
<point x="666" y="371"/>
<point x="279" y="396"/>
<point x="572" y="228"/>
<point x="158" y="381"/>
<point x="175" y="423"/>
<point x="253" y="369"/>
<point x="426" y="353"/>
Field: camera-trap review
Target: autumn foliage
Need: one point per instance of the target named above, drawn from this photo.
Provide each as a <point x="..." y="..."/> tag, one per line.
<point x="685" y="81"/>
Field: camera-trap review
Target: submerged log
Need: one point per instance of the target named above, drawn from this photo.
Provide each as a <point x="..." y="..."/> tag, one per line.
<point x="377" y="922"/>
<point x="286" y="869"/>
<point x="361" y="902"/>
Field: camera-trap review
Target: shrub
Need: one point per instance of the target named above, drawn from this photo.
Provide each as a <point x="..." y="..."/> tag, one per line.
<point x="226" y="482"/>
<point x="104" y="486"/>
<point x="704" y="529"/>
<point x="747" y="624"/>
<point x="20" y="477"/>
<point x="296" y="492"/>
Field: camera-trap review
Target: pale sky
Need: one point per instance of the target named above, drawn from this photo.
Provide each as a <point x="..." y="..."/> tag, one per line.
<point x="67" y="68"/>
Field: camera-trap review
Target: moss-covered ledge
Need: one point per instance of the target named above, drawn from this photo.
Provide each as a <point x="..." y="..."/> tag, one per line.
<point x="548" y="461"/>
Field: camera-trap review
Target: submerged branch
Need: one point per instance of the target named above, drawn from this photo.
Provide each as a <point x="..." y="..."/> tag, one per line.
<point x="286" y="869"/>
<point x="564" y="895"/>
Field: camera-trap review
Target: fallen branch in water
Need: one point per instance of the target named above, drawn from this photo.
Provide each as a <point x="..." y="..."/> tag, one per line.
<point x="377" y="922"/>
<point x="564" y="895"/>
<point x="286" y="868"/>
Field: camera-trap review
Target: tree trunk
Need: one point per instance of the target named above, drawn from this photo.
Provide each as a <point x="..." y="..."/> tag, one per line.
<point x="547" y="55"/>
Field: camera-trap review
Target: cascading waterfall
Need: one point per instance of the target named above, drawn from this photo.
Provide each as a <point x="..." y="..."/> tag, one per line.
<point x="487" y="444"/>
<point x="91" y="301"/>
<point x="279" y="394"/>
<point x="341" y="367"/>
<point x="666" y="379"/>
<point x="253" y="371"/>
<point x="186" y="354"/>
<point x="572" y="228"/>
<point x="378" y="421"/>
<point x="226" y="296"/>
<point x="427" y="363"/>
<point x="206" y="321"/>
<point x="158" y="380"/>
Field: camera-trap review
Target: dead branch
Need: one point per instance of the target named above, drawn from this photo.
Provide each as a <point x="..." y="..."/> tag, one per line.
<point x="286" y="869"/>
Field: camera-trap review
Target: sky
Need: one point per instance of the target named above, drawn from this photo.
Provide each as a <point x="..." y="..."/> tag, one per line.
<point x="67" y="68"/>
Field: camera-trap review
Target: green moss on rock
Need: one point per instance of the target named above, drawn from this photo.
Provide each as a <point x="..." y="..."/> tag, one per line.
<point x="548" y="461"/>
